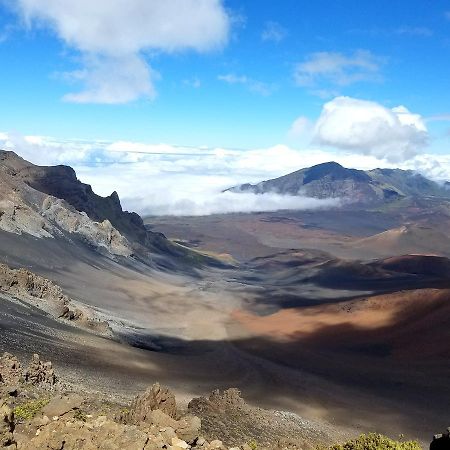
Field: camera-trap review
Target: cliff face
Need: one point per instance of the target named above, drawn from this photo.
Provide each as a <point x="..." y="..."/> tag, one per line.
<point x="30" y="194"/>
<point x="61" y="182"/>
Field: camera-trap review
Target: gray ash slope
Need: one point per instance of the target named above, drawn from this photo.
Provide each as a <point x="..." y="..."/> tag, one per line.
<point x="331" y="180"/>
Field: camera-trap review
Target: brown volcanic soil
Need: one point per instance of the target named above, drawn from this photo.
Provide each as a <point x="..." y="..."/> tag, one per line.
<point x="396" y="346"/>
<point x="351" y="234"/>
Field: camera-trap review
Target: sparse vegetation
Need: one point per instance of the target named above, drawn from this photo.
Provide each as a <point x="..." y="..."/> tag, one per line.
<point x="28" y="410"/>
<point x="80" y="415"/>
<point x="374" y="441"/>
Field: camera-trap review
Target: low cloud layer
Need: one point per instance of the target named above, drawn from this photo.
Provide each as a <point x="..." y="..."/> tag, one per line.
<point x="114" y="39"/>
<point x="164" y="179"/>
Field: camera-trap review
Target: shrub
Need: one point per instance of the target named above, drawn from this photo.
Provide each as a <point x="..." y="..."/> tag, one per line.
<point x="374" y="441"/>
<point x="28" y="410"/>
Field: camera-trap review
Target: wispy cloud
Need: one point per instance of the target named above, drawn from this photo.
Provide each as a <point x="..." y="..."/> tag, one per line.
<point x="273" y="32"/>
<point x="338" y="69"/>
<point x="403" y="30"/>
<point x="438" y="118"/>
<point x="193" y="82"/>
<point x="258" y="87"/>
<point x="414" y="31"/>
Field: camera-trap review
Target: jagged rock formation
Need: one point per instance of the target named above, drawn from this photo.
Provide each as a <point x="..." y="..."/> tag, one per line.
<point x="6" y="426"/>
<point x="25" y="209"/>
<point x="49" y="297"/>
<point x="156" y="397"/>
<point x="39" y="291"/>
<point x="331" y="180"/>
<point x="226" y="416"/>
<point x="74" y="206"/>
<point x="40" y="373"/>
<point x="10" y="370"/>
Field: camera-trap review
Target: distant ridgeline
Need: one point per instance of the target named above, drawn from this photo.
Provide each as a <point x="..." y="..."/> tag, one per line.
<point x="331" y="180"/>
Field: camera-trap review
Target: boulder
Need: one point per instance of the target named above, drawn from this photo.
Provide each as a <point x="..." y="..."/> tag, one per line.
<point x="441" y="441"/>
<point x="188" y="428"/>
<point x="63" y="404"/>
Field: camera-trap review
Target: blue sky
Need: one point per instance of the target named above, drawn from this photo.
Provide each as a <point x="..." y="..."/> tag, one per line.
<point x="410" y="41"/>
<point x="292" y="82"/>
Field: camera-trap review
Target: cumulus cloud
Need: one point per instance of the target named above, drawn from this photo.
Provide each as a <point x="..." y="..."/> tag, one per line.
<point x="258" y="87"/>
<point x="367" y="127"/>
<point x="114" y="37"/>
<point x="273" y="32"/>
<point x="338" y="69"/>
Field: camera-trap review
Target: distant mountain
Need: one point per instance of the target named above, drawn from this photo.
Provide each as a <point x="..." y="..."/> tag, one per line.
<point x="331" y="180"/>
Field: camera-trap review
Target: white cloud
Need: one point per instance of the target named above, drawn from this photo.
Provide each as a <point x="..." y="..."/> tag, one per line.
<point x="338" y="69"/>
<point x="258" y="87"/>
<point x="114" y="36"/>
<point x="113" y="80"/>
<point x="273" y="32"/>
<point x="301" y="127"/>
<point x="369" y="128"/>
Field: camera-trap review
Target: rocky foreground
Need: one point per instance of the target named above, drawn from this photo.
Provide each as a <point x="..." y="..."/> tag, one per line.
<point x="38" y="411"/>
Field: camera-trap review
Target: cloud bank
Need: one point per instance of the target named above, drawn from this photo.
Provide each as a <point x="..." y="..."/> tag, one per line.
<point x="114" y="38"/>
<point x="165" y="179"/>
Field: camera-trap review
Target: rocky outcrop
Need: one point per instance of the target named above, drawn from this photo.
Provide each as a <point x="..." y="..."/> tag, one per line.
<point x="156" y="397"/>
<point x="47" y="296"/>
<point x="10" y="370"/>
<point x="6" y="427"/>
<point x="441" y="441"/>
<point x="60" y="182"/>
<point x="226" y="416"/>
<point x="37" y="373"/>
<point x="40" y="373"/>
<point x="39" y="291"/>
<point x="25" y="209"/>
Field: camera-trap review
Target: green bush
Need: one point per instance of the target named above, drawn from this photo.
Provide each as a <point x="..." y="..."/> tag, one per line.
<point x="374" y="441"/>
<point x="28" y="410"/>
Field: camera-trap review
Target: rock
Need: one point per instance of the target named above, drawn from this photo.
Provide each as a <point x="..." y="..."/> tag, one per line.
<point x="78" y="435"/>
<point x="188" y="428"/>
<point x="61" y="405"/>
<point x="216" y="445"/>
<point x="6" y="426"/>
<point x="179" y="444"/>
<point x="155" y="397"/>
<point x="441" y="441"/>
<point x="39" y="373"/>
<point x="161" y="419"/>
<point x="10" y="370"/>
